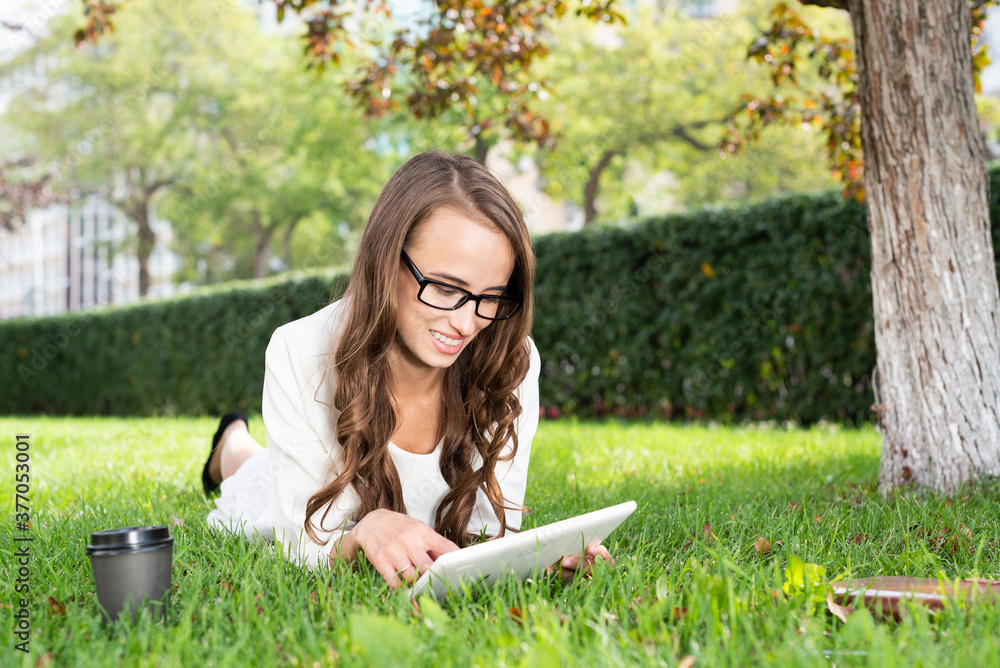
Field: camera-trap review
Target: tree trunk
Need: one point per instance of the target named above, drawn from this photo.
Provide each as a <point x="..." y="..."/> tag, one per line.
<point x="261" y="243"/>
<point x="934" y="282"/>
<point x="139" y="212"/>
<point x="286" y="245"/>
<point x="593" y="185"/>
<point x="481" y="148"/>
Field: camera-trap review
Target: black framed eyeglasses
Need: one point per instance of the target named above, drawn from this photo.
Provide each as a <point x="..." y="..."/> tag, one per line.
<point x="448" y="297"/>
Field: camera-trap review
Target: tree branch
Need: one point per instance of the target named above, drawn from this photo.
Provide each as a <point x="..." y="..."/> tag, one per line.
<point x="681" y="133"/>
<point x="836" y="4"/>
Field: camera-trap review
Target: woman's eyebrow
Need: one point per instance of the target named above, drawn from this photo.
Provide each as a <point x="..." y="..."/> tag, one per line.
<point x="458" y="281"/>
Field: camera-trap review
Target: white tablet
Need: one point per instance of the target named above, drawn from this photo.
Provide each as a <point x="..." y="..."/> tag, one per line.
<point x="526" y="553"/>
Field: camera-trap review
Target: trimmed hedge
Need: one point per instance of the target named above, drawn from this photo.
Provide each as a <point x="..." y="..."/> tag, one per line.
<point x="758" y="312"/>
<point x="191" y="355"/>
<point x="762" y="311"/>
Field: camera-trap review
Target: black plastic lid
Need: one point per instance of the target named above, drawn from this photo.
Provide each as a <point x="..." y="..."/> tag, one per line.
<point x="130" y="538"/>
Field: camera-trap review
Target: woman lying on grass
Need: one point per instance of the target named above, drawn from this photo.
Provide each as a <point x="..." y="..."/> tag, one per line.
<point x="408" y="404"/>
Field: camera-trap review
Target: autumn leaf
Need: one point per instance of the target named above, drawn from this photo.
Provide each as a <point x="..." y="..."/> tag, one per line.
<point x="841" y="612"/>
<point x="762" y="545"/>
<point x="56" y="607"/>
<point x="517" y="615"/>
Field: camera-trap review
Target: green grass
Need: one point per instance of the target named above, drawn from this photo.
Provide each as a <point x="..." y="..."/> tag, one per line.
<point x="688" y="578"/>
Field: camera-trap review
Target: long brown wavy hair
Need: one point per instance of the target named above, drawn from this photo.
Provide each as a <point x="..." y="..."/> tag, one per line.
<point x="480" y="407"/>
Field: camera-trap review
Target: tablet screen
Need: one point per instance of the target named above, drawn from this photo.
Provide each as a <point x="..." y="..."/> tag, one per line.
<point x="526" y="553"/>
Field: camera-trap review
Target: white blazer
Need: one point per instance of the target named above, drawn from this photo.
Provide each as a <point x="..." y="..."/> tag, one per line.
<point x="304" y="452"/>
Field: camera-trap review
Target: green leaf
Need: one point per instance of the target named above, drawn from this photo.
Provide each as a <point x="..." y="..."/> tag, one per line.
<point x="662" y="587"/>
<point x="435" y="617"/>
<point x="798" y="573"/>
<point x="382" y="640"/>
<point x="541" y="654"/>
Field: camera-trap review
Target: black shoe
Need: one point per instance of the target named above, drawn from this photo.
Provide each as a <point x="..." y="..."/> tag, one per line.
<point x="206" y="478"/>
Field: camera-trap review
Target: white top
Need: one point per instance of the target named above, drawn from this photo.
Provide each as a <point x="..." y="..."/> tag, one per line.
<point x="267" y="495"/>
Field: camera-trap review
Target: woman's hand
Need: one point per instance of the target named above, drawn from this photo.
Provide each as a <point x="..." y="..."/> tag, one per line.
<point x="571" y="567"/>
<point x="398" y="546"/>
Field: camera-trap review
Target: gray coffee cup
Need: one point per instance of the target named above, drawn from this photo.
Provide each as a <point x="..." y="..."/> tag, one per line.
<point x="132" y="565"/>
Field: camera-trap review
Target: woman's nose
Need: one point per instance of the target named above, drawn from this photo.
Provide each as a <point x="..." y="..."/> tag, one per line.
<point x="464" y="318"/>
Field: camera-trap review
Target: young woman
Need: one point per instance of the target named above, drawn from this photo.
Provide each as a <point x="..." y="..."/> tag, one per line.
<point x="400" y="417"/>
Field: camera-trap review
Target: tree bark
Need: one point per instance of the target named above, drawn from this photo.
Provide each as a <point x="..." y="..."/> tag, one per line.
<point x="934" y="282"/>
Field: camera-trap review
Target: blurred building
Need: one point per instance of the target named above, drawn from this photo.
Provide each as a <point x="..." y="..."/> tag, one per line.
<point x="73" y="256"/>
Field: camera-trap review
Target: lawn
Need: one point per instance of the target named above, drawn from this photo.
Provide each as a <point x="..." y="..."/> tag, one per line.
<point x="700" y="566"/>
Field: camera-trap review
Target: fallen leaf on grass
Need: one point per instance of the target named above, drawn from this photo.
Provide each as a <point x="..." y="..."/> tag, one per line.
<point x="45" y="660"/>
<point x="185" y="567"/>
<point x="841" y="612"/>
<point x="706" y="534"/>
<point x="228" y="586"/>
<point x="517" y="614"/>
<point x="178" y="522"/>
<point x="56" y="607"/>
<point x="313" y="596"/>
<point x="762" y="545"/>
<point x="679" y="613"/>
<point x="859" y="538"/>
<point x="686" y="662"/>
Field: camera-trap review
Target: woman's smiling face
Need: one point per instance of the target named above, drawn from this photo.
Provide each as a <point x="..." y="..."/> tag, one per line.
<point x="455" y="249"/>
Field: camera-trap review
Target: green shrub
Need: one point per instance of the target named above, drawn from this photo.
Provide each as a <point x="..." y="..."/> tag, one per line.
<point x="758" y="312"/>
<point x="202" y="353"/>
<point x="761" y="311"/>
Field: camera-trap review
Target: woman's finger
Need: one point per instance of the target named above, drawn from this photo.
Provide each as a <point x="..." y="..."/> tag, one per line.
<point x="439" y="544"/>
<point x="595" y="552"/>
<point x="421" y="561"/>
<point x="571" y="563"/>
<point x="409" y="574"/>
<point x="390" y="577"/>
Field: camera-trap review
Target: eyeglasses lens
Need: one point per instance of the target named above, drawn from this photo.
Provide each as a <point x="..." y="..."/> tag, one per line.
<point x="443" y="297"/>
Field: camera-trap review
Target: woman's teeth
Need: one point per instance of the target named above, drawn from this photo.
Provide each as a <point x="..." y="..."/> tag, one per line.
<point x="444" y="339"/>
